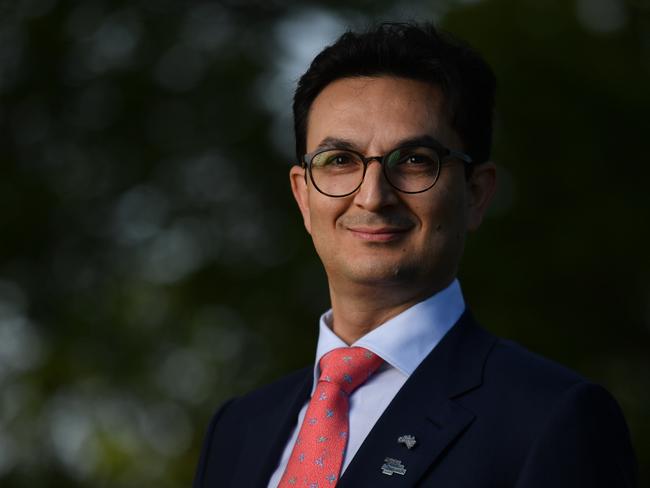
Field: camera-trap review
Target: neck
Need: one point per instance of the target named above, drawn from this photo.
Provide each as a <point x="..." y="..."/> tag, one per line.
<point x="359" y="309"/>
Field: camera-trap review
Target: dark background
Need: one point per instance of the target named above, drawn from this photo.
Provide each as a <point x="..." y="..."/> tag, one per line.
<point x="152" y="263"/>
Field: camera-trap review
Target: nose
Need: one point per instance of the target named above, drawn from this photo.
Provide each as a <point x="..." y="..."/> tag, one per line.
<point x="375" y="192"/>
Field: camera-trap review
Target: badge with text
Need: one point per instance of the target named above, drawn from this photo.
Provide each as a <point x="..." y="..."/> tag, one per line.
<point x="393" y="466"/>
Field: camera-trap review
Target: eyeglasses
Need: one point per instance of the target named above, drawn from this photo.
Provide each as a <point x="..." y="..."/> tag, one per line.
<point x="409" y="169"/>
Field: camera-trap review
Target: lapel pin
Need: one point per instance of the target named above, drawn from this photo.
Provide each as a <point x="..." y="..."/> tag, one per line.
<point x="408" y="440"/>
<point x="393" y="466"/>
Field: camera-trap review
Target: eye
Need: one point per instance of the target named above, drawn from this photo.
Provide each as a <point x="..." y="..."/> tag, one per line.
<point x="416" y="159"/>
<point x="340" y="159"/>
<point x="334" y="159"/>
<point x="412" y="157"/>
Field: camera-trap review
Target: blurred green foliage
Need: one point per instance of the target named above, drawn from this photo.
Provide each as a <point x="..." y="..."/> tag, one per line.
<point x="150" y="247"/>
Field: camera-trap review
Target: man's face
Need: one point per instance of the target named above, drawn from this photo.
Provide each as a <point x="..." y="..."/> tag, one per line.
<point x="378" y="235"/>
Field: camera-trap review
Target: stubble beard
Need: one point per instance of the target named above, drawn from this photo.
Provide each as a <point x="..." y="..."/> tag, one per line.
<point x="379" y="273"/>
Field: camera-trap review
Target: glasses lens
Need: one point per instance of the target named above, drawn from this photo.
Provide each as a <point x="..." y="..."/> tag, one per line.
<point x="412" y="169"/>
<point x="336" y="172"/>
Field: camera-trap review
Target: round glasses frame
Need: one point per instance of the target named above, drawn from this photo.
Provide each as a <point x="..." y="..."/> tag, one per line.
<point x="441" y="151"/>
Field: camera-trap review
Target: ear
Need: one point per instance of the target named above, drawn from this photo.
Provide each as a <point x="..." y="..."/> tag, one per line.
<point x="298" y="178"/>
<point x="480" y="189"/>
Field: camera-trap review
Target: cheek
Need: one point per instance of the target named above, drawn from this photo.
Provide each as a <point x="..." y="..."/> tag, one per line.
<point x="443" y="219"/>
<point x="323" y="215"/>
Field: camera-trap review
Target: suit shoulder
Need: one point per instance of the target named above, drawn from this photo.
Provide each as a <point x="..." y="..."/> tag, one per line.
<point x="533" y="383"/>
<point x="236" y="426"/>
<point x="519" y="368"/>
<point x="543" y="404"/>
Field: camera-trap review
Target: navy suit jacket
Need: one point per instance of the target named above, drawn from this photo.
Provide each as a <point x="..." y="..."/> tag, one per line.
<point x="484" y="411"/>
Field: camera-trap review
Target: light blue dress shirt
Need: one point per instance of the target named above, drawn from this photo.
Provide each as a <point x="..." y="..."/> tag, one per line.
<point x="403" y="342"/>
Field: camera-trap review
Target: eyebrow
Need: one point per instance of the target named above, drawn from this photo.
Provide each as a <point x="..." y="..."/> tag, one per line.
<point x="341" y="143"/>
<point x="336" y="142"/>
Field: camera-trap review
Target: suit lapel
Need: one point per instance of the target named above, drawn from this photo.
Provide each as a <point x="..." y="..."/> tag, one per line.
<point x="424" y="408"/>
<point x="268" y="434"/>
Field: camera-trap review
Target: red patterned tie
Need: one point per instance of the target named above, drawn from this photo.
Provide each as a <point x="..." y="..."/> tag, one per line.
<point x="317" y="456"/>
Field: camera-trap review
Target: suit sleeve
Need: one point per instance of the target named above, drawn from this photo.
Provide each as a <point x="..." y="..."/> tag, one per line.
<point x="199" y="476"/>
<point x="585" y="444"/>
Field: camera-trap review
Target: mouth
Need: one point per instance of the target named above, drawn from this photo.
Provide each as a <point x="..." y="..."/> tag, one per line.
<point x="378" y="234"/>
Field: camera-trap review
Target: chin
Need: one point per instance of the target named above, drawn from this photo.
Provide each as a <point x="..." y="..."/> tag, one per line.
<point x="378" y="273"/>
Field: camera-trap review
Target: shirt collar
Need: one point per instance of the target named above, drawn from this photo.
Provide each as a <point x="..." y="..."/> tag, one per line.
<point x="406" y="339"/>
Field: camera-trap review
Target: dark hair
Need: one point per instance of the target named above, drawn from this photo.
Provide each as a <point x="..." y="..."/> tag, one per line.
<point x="414" y="51"/>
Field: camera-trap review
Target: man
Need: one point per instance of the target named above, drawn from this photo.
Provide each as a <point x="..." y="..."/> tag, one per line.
<point x="393" y="130"/>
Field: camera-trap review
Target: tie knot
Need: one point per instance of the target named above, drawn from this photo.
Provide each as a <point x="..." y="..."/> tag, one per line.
<point x="348" y="367"/>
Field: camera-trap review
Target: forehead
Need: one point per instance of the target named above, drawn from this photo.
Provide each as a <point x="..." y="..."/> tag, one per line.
<point x="377" y="112"/>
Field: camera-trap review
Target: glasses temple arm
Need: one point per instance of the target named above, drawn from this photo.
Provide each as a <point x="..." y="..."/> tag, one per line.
<point x="458" y="155"/>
